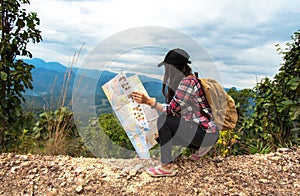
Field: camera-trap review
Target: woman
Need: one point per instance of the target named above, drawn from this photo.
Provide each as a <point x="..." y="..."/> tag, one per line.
<point x="186" y="116"/>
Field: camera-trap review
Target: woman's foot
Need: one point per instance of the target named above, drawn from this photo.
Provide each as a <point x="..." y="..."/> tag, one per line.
<point x="162" y="170"/>
<point x="199" y="153"/>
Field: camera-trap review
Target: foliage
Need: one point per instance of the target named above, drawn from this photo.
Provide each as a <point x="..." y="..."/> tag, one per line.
<point x="243" y="100"/>
<point x="106" y="138"/>
<point x="277" y="103"/>
<point x="56" y="131"/>
<point x="111" y="126"/>
<point x="17" y="28"/>
<point x="258" y="147"/>
<point x="227" y="143"/>
<point x="19" y="139"/>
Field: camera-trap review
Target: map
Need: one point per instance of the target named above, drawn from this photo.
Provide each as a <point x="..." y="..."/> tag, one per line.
<point x="138" y="120"/>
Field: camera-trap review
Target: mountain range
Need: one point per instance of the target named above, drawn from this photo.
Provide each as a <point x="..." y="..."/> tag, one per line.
<point x="49" y="78"/>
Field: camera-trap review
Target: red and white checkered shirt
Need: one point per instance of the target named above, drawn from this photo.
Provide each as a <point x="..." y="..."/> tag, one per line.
<point x="186" y="103"/>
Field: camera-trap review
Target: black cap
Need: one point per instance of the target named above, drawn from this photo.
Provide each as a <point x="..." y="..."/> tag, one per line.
<point x="176" y="57"/>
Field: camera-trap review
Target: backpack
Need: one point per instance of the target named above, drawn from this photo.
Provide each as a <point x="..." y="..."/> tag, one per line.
<point x="224" y="112"/>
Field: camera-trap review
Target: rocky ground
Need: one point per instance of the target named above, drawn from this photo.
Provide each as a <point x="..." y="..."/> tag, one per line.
<point x="272" y="174"/>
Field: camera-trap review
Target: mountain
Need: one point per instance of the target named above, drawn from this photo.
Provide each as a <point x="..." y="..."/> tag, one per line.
<point x="40" y="63"/>
<point x="48" y="77"/>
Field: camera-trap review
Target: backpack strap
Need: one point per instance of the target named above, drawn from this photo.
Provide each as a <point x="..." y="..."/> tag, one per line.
<point x="201" y="109"/>
<point x="196" y="74"/>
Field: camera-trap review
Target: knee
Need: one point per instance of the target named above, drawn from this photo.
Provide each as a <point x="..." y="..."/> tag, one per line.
<point x="161" y="121"/>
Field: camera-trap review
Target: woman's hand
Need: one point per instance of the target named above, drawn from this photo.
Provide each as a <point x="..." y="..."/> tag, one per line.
<point x="140" y="97"/>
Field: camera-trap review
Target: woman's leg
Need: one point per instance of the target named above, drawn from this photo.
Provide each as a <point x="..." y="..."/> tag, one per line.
<point x="166" y="124"/>
<point x="174" y="131"/>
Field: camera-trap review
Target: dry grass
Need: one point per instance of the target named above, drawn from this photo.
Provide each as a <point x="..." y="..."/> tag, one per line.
<point x="60" y="123"/>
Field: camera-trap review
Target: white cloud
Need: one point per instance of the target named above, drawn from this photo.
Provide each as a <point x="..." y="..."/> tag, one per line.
<point x="238" y="34"/>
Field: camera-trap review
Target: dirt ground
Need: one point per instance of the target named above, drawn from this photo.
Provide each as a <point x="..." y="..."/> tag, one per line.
<point x="271" y="174"/>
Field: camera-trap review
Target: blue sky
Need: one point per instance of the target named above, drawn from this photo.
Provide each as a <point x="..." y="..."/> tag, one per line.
<point x="239" y="36"/>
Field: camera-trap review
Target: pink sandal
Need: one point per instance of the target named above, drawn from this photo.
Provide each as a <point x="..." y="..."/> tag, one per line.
<point x="195" y="157"/>
<point x="159" y="171"/>
<point x="199" y="153"/>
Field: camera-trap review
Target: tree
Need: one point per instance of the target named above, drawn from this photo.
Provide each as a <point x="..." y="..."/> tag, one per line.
<point x="243" y="101"/>
<point x="277" y="103"/>
<point x="17" y="28"/>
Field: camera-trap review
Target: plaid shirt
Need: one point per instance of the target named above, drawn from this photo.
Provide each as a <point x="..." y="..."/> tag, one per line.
<point x="187" y="101"/>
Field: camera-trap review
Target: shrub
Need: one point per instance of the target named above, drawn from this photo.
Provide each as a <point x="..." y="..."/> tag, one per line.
<point x="276" y="110"/>
<point x="56" y="132"/>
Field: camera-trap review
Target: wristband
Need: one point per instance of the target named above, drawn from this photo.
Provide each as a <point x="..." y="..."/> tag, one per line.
<point x="154" y="105"/>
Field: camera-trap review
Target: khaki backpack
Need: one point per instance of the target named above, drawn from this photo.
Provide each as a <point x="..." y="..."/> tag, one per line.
<point x="223" y="106"/>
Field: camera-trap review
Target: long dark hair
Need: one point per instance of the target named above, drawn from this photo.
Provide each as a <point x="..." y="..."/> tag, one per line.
<point x="172" y="77"/>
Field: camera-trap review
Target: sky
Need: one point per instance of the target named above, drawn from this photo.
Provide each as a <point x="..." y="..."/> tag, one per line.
<point x="232" y="40"/>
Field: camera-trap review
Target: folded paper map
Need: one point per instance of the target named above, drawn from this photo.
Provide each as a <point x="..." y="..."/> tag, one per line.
<point x="138" y="120"/>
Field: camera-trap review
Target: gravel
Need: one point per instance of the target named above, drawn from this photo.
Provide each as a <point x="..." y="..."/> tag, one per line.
<point x="270" y="174"/>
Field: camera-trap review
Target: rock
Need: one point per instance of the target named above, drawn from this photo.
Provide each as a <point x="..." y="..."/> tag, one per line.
<point x="263" y="180"/>
<point x="78" y="171"/>
<point x="33" y="171"/>
<point x="138" y="166"/>
<point x="296" y="185"/>
<point x="125" y="170"/>
<point x="284" y="150"/>
<point x="275" y="158"/>
<point x="63" y="184"/>
<point x="52" y="192"/>
<point x="14" y="169"/>
<point x="91" y="167"/>
<point x="23" y="157"/>
<point x="25" y="164"/>
<point x="132" y="172"/>
<point x="79" y="189"/>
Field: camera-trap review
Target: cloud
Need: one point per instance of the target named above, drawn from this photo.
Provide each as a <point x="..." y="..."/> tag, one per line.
<point x="238" y="35"/>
